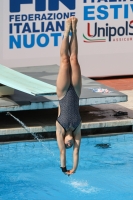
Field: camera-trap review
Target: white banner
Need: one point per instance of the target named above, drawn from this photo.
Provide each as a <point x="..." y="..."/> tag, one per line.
<point x="31" y="32"/>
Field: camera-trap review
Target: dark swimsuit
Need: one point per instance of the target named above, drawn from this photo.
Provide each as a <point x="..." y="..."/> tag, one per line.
<point x="69" y="110"/>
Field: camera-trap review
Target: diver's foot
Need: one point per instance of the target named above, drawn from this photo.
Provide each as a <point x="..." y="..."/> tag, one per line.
<point x="68" y="27"/>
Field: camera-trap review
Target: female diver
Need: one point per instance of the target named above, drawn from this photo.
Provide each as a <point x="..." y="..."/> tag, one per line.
<point x="68" y="124"/>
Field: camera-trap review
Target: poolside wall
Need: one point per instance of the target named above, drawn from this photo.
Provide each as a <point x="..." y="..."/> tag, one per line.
<point x="42" y="122"/>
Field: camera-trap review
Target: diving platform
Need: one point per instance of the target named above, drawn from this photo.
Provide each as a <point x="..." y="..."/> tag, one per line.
<point x="35" y="88"/>
<point x="24" y="83"/>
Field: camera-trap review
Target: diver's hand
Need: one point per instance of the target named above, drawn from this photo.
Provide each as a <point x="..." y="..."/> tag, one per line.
<point x="70" y="172"/>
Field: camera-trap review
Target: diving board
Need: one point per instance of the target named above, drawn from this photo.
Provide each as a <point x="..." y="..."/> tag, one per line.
<point x="24" y="83"/>
<point x="48" y="74"/>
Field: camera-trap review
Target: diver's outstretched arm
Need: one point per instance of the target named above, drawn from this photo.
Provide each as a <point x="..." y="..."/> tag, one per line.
<point x="61" y="148"/>
<point x="76" y="150"/>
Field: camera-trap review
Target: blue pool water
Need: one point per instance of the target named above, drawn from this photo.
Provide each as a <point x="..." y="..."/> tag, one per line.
<point x="31" y="170"/>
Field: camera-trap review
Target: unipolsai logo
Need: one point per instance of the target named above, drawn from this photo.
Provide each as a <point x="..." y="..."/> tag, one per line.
<point x="111" y="33"/>
<point x="110" y="13"/>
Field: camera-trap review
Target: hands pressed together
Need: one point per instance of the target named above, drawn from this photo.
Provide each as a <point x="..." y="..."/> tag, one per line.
<point x="67" y="172"/>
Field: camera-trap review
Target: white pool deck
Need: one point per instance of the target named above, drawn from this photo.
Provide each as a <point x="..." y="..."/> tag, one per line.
<point x="93" y="117"/>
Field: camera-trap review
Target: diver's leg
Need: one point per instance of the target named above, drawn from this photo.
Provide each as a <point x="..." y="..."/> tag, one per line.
<point x="63" y="79"/>
<point x="75" y="67"/>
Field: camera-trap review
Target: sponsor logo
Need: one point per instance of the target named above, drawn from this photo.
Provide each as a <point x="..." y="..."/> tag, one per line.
<point x="40" y="29"/>
<point x="40" y="5"/>
<point x="102" y="34"/>
<point x="96" y="13"/>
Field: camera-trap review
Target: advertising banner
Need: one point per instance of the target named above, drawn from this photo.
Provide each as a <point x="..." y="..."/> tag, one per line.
<point x="31" y="32"/>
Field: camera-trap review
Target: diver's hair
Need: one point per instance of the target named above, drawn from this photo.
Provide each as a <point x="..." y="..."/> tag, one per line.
<point x="71" y="144"/>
